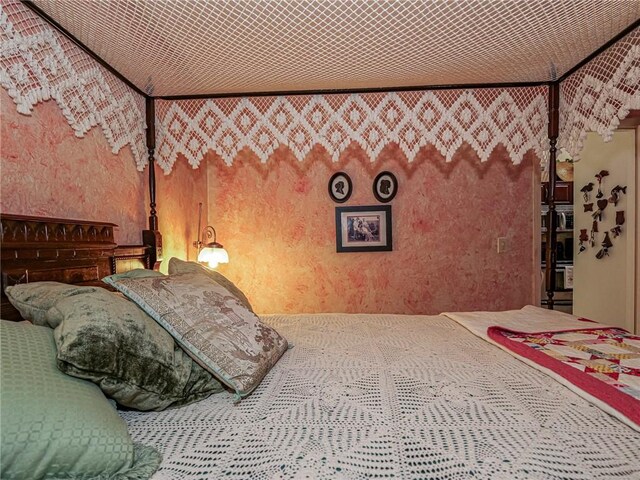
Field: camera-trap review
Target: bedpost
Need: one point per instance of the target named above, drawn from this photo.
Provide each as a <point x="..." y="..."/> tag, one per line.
<point x="152" y="237"/>
<point x="552" y="217"/>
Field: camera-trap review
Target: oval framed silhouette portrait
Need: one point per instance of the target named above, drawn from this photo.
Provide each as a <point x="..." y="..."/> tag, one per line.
<point x="340" y="187"/>
<point x="385" y="187"/>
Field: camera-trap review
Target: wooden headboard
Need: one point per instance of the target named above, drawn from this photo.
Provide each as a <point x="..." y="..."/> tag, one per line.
<point x="78" y="252"/>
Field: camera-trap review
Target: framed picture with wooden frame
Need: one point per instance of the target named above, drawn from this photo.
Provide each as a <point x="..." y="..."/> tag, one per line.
<point x="364" y="229"/>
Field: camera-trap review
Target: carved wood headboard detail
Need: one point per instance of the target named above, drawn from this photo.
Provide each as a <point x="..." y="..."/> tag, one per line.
<point x="79" y="252"/>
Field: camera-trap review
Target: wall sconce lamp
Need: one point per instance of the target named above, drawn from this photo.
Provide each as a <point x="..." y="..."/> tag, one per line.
<point x="209" y="251"/>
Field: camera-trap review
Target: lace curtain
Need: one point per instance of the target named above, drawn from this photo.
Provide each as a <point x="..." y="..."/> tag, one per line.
<point x="483" y="118"/>
<point x="37" y="64"/>
<point x="600" y="94"/>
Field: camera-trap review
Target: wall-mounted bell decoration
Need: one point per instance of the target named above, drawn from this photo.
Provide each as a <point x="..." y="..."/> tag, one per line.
<point x="583" y="238"/>
<point x="602" y="204"/>
<point x="606" y="245"/>
<point x="600" y="176"/>
<point x="592" y="236"/>
<point x="586" y="191"/>
<point x="616" y="193"/>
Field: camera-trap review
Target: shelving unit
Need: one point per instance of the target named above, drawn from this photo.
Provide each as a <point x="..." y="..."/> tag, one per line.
<point x="563" y="297"/>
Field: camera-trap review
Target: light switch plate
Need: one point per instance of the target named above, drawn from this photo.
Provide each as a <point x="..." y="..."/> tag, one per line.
<point x="502" y="244"/>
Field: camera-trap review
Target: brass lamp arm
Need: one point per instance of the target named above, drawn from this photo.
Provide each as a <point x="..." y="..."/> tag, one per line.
<point x="207" y="238"/>
<point x="208" y="233"/>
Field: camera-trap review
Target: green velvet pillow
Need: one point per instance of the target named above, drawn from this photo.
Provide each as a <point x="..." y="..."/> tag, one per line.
<point x="180" y="266"/>
<point x="103" y="337"/>
<point x="33" y="300"/>
<point x="56" y="426"/>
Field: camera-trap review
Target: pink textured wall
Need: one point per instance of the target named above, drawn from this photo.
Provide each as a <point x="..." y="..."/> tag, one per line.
<point x="178" y="196"/>
<point x="277" y="220"/>
<point x="277" y="223"/>
<point x="47" y="171"/>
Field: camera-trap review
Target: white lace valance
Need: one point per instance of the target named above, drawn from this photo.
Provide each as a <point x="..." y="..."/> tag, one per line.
<point x="483" y="118"/>
<point x="37" y="63"/>
<point x="600" y="94"/>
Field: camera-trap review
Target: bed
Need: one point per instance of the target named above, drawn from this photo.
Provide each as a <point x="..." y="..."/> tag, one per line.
<point x="358" y="396"/>
<point x="392" y="396"/>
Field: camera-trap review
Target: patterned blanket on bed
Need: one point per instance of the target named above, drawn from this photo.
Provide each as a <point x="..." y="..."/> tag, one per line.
<point x="603" y="363"/>
<point x="384" y="396"/>
<point x="611" y="355"/>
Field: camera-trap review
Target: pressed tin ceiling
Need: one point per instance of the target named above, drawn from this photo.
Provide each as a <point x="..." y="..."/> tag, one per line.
<point x="196" y="47"/>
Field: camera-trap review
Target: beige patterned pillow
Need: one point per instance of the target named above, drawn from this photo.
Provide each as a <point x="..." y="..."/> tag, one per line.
<point x="180" y="266"/>
<point x="210" y="324"/>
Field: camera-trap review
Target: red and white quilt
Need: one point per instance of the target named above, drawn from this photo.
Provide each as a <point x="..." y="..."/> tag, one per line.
<point x="599" y="362"/>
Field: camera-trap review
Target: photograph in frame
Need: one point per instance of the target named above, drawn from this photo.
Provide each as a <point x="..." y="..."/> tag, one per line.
<point x="364" y="229"/>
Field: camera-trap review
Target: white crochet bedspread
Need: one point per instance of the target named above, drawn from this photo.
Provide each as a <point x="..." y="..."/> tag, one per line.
<point x="387" y="396"/>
